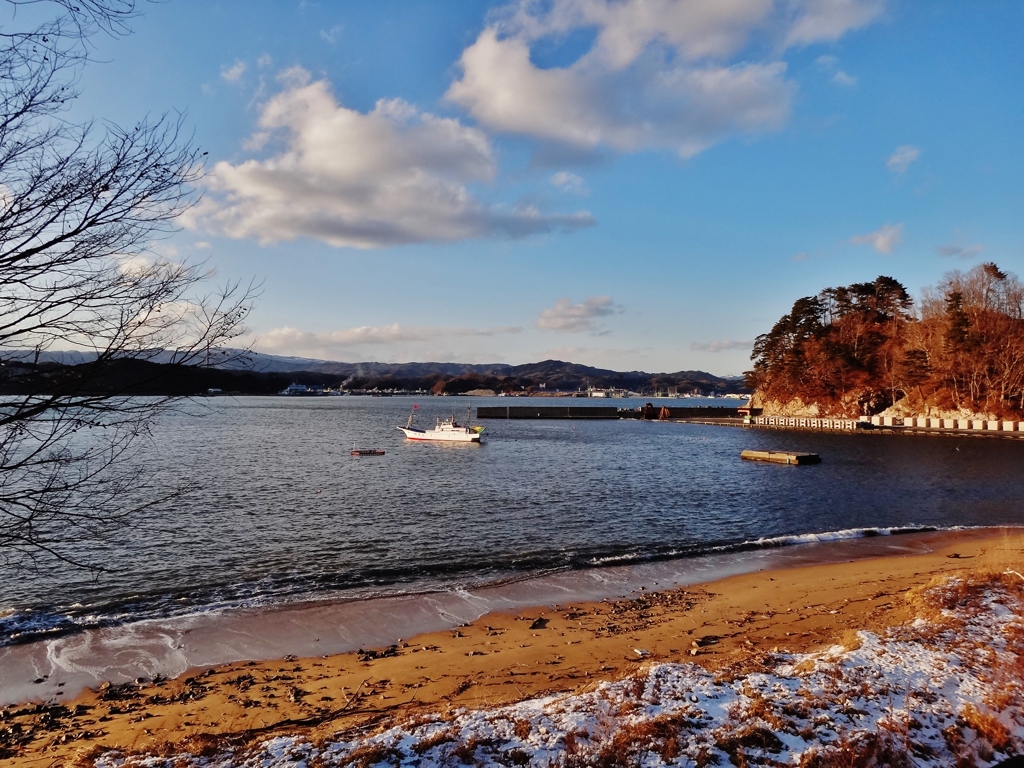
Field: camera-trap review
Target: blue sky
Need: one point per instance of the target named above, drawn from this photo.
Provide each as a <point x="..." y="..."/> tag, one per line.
<point x="633" y="184"/>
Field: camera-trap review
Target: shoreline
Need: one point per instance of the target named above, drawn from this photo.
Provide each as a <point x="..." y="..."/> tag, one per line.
<point x="55" y="668"/>
<point x="521" y="652"/>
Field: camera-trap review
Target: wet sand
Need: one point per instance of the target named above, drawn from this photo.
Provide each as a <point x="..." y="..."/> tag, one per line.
<point x="64" y="666"/>
<point x="505" y="656"/>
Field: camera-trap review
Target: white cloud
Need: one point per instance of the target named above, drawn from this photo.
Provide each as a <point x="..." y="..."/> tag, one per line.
<point x="883" y="240"/>
<point x="576" y="318"/>
<point x="830" y="65"/>
<point x="843" y="79"/>
<point x="648" y="105"/>
<point x="660" y="74"/>
<point x="823" y="20"/>
<point x="900" y="160"/>
<point x="694" y="30"/>
<point x="390" y="176"/>
<point x="569" y="182"/>
<point x="158" y="254"/>
<point x="331" y="35"/>
<point x="134" y="265"/>
<point x="323" y="344"/>
<point x="294" y="77"/>
<point x="960" y="251"/>
<point x="233" y="73"/>
<point x="722" y="345"/>
<point x="264" y="61"/>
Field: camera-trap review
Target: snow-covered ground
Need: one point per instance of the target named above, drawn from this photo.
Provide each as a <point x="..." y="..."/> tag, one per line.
<point x="947" y="690"/>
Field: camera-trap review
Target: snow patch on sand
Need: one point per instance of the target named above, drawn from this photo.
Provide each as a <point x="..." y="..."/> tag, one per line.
<point x="933" y="693"/>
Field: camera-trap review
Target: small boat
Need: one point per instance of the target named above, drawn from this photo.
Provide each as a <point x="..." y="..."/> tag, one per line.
<point x="366" y="452"/>
<point x="446" y="430"/>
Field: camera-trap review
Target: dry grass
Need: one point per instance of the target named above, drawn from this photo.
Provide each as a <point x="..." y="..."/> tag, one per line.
<point x="1014" y="638"/>
<point x="757" y="708"/>
<point x="737" y="742"/>
<point x="441" y="737"/>
<point x="635" y="684"/>
<point x="664" y="736"/>
<point x="465" y="751"/>
<point x="966" y="595"/>
<point x="86" y="758"/>
<point x="860" y="751"/>
<point x="198" y="744"/>
<point x="368" y="755"/>
<point x="522" y="729"/>
<point x="987" y="726"/>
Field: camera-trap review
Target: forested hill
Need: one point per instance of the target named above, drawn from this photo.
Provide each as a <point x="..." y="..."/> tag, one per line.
<point x="255" y="374"/>
<point x="554" y="374"/>
<point x="866" y="348"/>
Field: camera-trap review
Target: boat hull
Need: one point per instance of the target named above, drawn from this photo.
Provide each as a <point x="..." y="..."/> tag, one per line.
<point x="444" y="436"/>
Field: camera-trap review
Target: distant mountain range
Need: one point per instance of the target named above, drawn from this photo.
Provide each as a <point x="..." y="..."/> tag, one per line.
<point x="250" y="372"/>
<point x="556" y="375"/>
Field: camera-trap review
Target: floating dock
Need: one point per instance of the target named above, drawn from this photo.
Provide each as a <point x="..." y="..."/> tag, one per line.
<point x="781" y="457"/>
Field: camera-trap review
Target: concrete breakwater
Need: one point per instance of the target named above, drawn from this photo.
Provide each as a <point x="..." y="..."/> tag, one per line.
<point x="546" y="412"/>
<point x="733" y="417"/>
<point x="651" y="412"/>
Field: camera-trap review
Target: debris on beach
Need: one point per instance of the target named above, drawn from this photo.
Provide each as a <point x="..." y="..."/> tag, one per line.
<point x="945" y="690"/>
<point x="371" y="655"/>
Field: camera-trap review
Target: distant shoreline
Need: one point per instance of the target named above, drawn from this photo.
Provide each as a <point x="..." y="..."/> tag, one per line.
<point x="239" y="373"/>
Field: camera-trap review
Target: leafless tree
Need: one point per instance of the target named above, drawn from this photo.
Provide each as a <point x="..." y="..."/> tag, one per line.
<point x="80" y="209"/>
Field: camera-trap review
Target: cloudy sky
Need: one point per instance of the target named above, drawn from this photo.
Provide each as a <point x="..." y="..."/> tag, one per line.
<point x="633" y="184"/>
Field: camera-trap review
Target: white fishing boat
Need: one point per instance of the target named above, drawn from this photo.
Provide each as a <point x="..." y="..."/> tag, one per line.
<point x="446" y="430"/>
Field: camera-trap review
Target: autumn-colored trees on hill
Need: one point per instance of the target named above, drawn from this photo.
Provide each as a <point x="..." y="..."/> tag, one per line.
<point x="858" y="349"/>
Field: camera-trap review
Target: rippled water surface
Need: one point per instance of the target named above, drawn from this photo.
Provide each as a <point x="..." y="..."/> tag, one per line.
<point x="281" y="511"/>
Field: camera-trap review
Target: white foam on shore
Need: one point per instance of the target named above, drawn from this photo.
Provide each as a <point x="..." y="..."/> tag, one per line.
<point x="791" y="540"/>
<point x="842" y="535"/>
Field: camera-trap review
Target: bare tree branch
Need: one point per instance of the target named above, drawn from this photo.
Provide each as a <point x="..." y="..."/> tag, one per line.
<point x="81" y="207"/>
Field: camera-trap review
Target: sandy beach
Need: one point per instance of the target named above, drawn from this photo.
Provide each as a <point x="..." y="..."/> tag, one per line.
<point x="749" y="624"/>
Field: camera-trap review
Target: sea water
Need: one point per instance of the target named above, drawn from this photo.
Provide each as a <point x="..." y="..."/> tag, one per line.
<point x="279" y="517"/>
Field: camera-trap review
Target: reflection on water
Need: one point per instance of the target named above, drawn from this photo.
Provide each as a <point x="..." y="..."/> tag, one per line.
<point x="282" y="511"/>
